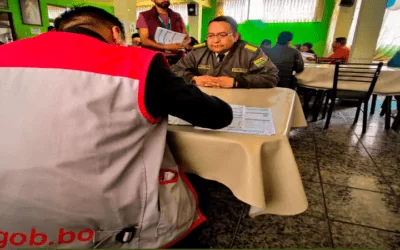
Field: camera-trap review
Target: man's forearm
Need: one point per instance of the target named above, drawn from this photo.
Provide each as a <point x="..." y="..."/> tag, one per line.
<point x="151" y="43"/>
<point x="257" y="81"/>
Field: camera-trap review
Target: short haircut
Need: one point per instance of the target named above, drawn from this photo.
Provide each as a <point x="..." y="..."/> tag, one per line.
<point x="266" y="42"/>
<point x="50" y="28"/>
<point x="308" y="45"/>
<point x="98" y="15"/>
<point x="135" y="35"/>
<point x="285" y="37"/>
<point x="341" y="40"/>
<point x="226" y="19"/>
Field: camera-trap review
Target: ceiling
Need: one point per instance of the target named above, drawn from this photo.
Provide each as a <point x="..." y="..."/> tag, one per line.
<point x="144" y="3"/>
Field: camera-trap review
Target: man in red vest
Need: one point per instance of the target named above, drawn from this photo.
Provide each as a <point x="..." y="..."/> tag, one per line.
<point x="161" y="16"/>
<point x="84" y="161"/>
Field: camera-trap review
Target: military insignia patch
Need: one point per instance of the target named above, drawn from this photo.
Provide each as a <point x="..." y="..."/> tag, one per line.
<point x="260" y="61"/>
<point x="251" y="48"/>
<point x="200" y="45"/>
<point x="239" y="70"/>
<point x="204" y="66"/>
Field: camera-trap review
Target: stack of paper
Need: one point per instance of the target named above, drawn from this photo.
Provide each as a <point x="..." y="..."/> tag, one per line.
<point x="165" y="36"/>
<point x="246" y="120"/>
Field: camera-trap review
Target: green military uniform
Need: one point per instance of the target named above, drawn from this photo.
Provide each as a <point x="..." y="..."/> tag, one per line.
<point x="248" y="64"/>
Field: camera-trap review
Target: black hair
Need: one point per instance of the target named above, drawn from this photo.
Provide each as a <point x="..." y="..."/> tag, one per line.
<point x="227" y="19"/>
<point x="98" y="14"/>
<point x="193" y="41"/>
<point x="341" y="40"/>
<point x="135" y="35"/>
<point x="266" y="42"/>
<point x="308" y="45"/>
<point x="285" y="37"/>
<point x="50" y="28"/>
<point x="1" y="43"/>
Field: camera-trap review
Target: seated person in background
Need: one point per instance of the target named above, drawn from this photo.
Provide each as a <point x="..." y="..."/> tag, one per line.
<point x="307" y="48"/>
<point x="136" y="40"/>
<point x="297" y="46"/>
<point x="225" y="61"/>
<point x="51" y="28"/>
<point x="192" y="43"/>
<point x="265" y="45"/>
<point x="340" y="50"/>
<point x="286" y="59"/>
<point x="395" y="61"/>
<point x="98" y="166"/>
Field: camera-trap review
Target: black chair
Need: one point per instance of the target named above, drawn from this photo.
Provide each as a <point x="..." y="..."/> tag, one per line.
<point x="358" y="73"/>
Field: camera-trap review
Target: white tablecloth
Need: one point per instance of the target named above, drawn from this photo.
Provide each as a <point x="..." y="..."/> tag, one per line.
<point x="260" y="170"/>
<point x="320" y="76"/>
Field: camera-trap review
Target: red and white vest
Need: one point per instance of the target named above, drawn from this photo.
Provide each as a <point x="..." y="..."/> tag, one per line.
<point x="79" y="151"/>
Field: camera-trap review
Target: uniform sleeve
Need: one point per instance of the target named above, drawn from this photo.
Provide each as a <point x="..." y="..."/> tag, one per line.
<point x="262" y="73"/>
<point x="168" y="94"/>
<point x="186" y="67"/>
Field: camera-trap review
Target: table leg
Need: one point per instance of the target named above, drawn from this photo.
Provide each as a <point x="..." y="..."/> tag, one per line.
<point x="388" y="111"/>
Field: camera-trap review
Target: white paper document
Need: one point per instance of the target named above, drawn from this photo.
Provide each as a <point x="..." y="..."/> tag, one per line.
<point x="165" y="36"/>
<point x="246" y="120"/>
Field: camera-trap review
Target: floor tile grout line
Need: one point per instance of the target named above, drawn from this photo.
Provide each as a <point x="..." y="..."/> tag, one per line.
<point x="362" y="189"/>
<point x="360" y="225"/>
<point x="323" y="193"/>
<point x="373" y="161"/>
<point x="238" y="224"/>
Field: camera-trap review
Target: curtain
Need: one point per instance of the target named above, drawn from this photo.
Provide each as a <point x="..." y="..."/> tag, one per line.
<point x="286" y="11"/>
<point x="389" y="37"/>
<point x="238" y="9"/>
<point x="271" y="11"/>
<point x="180" y="8"/>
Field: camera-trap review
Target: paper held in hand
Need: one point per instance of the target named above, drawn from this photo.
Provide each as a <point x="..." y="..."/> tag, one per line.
<point x="246" y="120"/>
<point x="165" y="36"/>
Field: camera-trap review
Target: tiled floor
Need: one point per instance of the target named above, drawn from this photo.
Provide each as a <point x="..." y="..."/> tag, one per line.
<point x="353" y="188"/>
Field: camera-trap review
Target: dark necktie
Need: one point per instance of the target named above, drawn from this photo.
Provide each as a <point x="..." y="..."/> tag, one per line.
<point x="220" y="57"/>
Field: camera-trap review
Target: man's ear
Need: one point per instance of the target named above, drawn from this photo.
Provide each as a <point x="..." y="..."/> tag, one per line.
<point x="117" y="36"/>
<point x="236" y="36"/>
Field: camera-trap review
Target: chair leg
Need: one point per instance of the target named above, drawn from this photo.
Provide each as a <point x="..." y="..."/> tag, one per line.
<point x="306" y="102"/>
<point x="396" y="123"/>
<point x="325" y="105"/>
<point x="330" y="111"/>
<point x="388" y="111"/>
<point x="365" y="117"/>
<point x="373" y="104"/>
<point x="317" y="105"/>
<point x="357" y="113"/>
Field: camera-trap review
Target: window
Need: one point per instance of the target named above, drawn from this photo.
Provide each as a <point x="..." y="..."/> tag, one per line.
<point x="389" y="37"/>
<point x="271" y="11"/>
<point x="180" y="8"/>
<point x="55" y="11"/>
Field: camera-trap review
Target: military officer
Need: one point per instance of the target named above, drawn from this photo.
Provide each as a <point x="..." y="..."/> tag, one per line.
<point x="226" y="61"/>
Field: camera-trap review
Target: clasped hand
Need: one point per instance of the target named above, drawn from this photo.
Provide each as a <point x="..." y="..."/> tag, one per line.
<point x="214" y="82"/>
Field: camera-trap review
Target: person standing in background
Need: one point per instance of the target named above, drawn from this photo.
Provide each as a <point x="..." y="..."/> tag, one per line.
<point x="160" y="16"/>
<point x="265" y="45"/>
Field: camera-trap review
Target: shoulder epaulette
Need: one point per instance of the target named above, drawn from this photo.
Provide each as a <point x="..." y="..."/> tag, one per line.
<point x="200" y="45"/>
<point x="251" y="47"/>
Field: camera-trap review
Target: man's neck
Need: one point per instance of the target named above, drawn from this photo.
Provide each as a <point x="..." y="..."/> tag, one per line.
<point x="161" y="10"/>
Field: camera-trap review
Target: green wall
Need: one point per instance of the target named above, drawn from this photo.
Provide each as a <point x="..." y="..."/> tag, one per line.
<point x="255" y="31"/>
<point x="24" y="31"/>
<point x="208" y="15"/>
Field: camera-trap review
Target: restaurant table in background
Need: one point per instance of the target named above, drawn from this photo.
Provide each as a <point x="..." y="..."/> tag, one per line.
<point x="259" y="170"/>
<point x="320" y="76"/>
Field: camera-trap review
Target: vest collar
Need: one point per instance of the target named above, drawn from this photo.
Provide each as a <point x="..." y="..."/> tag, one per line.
<point x="85" y="31"/>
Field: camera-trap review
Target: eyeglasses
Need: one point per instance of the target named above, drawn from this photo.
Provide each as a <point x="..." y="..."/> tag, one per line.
<point x="219" y="35"/>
